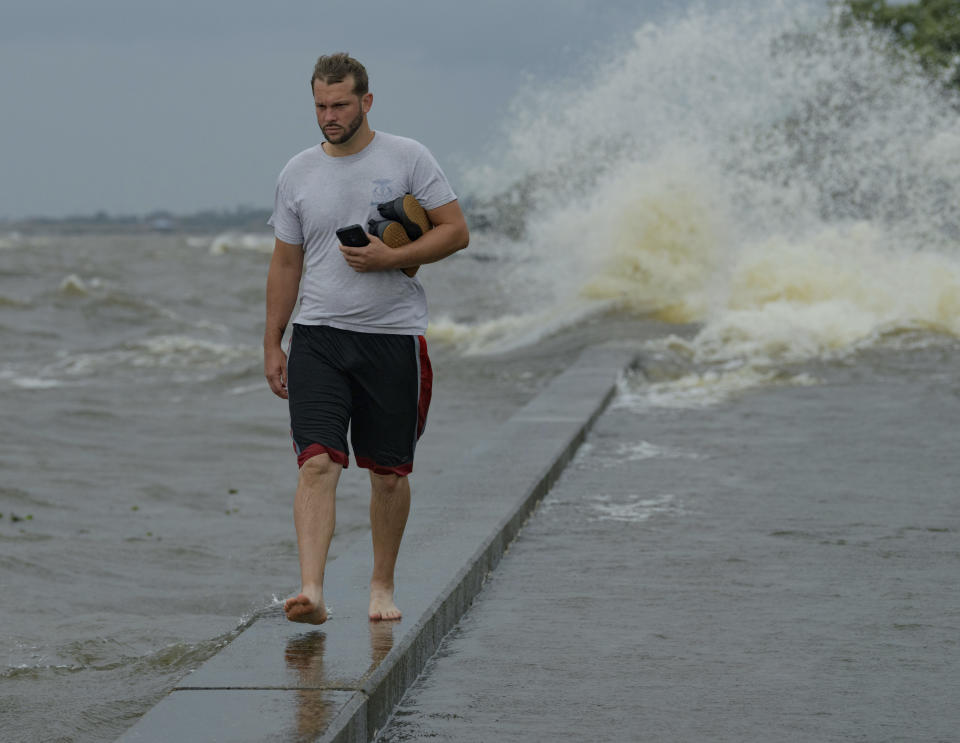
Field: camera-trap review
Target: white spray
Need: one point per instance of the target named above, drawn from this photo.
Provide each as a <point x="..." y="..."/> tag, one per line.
<point x="755" y="170"/>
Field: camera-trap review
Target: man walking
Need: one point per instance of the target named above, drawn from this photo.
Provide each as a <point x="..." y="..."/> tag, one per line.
<point x="357" y="355"/>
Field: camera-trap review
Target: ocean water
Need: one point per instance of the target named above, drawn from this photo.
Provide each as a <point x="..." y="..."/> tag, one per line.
<point x="762" y="201"/>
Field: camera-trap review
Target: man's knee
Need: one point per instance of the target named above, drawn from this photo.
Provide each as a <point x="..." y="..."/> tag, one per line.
<point x="317" y="469"/>
<point x="387" y="484"/>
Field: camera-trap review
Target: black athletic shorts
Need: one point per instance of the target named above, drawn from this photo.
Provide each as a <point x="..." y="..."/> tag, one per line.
<point x="376" y="383"/>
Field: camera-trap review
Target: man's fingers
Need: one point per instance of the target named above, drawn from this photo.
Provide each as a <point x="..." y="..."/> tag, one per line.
<point x="277" y="386"/>
<point x="353" y="259"/>
<point x="361" y="259"/>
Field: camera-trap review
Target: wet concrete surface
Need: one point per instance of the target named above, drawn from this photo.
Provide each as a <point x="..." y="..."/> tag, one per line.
<point x="340" y="681"/>
<point x="242" y="716"/>
<point x="779" y="568"/>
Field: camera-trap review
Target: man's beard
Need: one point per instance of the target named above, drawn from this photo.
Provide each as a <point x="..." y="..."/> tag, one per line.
<point x="351" y="129"/>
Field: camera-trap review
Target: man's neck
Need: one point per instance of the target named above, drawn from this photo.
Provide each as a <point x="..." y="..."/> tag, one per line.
<point x="352" y="146"/>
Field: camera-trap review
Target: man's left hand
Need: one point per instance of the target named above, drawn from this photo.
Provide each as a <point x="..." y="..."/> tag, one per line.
<point x="376" y="256"/>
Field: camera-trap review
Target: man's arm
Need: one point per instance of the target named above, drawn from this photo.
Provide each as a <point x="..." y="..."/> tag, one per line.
<point x="283" y="285"/>
<point x="449" y="234"/>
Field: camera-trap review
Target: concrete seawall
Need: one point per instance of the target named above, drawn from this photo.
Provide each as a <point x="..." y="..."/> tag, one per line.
<point x="280" y="681"/>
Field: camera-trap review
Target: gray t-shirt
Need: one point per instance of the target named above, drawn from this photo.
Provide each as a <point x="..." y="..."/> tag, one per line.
<point x="317" y="194"/>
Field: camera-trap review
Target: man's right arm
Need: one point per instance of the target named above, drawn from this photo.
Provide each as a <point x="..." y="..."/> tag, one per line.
<point x="283" y="285"/>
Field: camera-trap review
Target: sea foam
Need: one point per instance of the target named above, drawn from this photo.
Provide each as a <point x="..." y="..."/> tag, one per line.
<point x="782" y="183"/>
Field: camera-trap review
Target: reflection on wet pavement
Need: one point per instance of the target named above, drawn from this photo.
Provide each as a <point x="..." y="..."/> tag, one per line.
<point x="381" y="641"/>
<point x="304" y="654"/>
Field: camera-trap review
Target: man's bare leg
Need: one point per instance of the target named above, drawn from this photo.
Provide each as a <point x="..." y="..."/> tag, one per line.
<point x="389" y="507"/>
<point x="314" y="516"/>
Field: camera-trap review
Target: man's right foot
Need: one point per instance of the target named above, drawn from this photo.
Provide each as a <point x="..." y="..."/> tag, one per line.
<point x="302" y="608"/>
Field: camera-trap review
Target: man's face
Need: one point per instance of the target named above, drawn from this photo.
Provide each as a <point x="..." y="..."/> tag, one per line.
<point x="340" y="111"/>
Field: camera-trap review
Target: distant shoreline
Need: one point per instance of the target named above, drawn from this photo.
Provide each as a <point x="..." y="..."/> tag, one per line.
<point x="481" y="215"/>
<point x="244" y="219"/>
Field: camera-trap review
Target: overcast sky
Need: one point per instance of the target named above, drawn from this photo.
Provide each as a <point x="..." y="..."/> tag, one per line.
<point x="129" y="106"/>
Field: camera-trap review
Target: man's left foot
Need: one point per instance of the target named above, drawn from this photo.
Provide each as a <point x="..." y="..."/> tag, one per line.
<point x="381" y="604"/>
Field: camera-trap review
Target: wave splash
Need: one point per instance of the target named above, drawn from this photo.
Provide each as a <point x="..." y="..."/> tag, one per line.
<point x="781" y="183"/>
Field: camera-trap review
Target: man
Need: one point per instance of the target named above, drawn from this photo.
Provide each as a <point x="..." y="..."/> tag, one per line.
<point x="357" y="354"/>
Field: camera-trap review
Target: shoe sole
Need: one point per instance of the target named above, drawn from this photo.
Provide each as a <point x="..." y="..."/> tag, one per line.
<point x="393" y="235"/>
<point x="415" y="214"/>
<point x="409" y="213"/>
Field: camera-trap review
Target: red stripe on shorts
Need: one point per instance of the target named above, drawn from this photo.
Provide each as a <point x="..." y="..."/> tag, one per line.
<point x="401" y="469"/>
<point x="426" y="387"/>
<point x="314" y="449"/>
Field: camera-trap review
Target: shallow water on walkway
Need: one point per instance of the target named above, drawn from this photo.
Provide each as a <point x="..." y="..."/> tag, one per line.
<point x="777" y="566"/>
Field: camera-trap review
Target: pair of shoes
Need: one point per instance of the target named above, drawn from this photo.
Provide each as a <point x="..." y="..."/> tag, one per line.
<point x="404" y="221"/>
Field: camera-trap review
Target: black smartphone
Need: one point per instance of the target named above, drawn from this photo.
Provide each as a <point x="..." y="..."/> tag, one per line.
<point x="353" y="236"/>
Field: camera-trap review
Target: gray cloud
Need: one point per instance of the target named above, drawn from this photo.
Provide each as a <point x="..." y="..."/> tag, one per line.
<point x="127" y="106"/>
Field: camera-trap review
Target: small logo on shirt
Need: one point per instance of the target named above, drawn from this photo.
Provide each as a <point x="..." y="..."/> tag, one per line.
<point x="381" y="190"/>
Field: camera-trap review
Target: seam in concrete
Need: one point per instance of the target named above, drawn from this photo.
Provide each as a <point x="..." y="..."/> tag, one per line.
<point x="384" y="689"/>
<point x="266" y="687"/>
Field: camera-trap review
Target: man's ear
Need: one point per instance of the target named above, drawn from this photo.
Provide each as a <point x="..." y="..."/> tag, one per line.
<point x="366" y="102"/>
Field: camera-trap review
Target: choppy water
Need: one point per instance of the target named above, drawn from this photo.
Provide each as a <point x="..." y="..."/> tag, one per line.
<point x="146" y="473"/>
<point x="761" y="199"/>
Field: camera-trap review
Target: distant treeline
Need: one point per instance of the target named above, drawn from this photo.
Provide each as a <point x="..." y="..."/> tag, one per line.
<point x="929" y="29"/>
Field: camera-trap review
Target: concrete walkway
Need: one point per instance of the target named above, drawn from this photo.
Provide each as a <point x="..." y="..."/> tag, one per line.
<point x="340" y="682"/>
<point x="764" y="570"/>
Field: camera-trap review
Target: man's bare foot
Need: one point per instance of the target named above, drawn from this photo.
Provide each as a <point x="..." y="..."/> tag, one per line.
<point x="381" y="604"/>
<point x="303" y="608"/>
